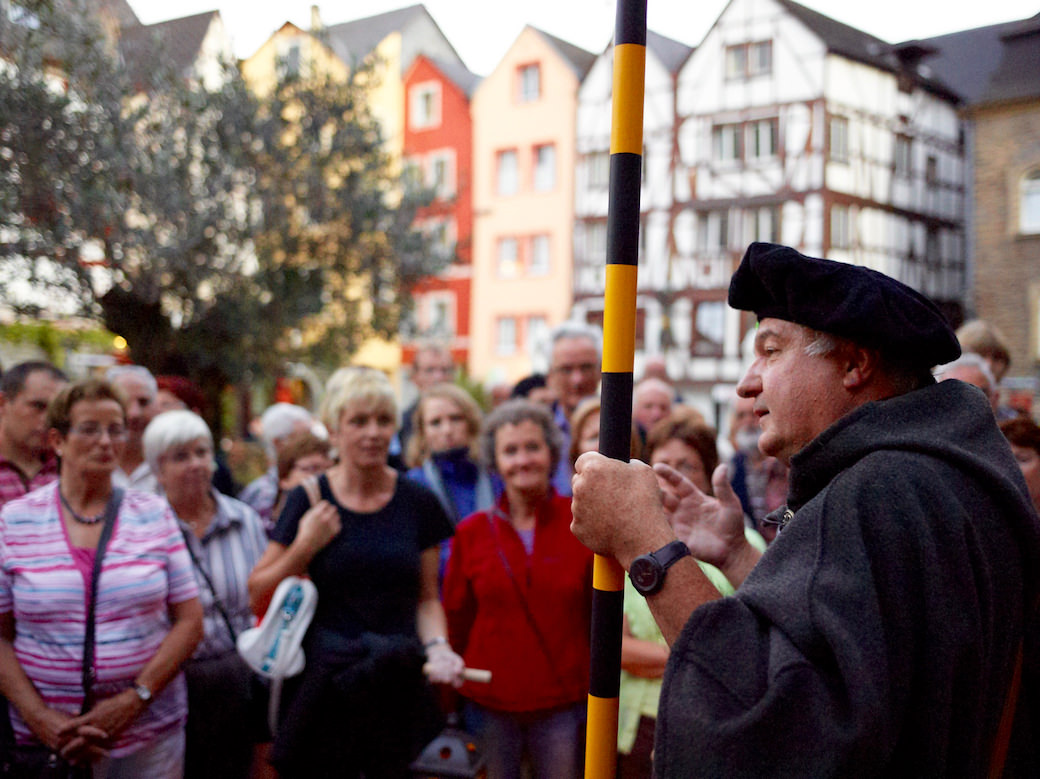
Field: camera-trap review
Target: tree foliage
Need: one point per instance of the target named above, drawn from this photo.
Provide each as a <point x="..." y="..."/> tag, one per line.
<point x="220" y="233"/>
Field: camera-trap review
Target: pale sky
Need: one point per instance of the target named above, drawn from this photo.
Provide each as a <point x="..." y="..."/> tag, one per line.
<point x="482" y="30"/>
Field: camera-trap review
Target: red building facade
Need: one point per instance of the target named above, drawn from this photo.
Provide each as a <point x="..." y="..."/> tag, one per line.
<point x="438" y="151"/>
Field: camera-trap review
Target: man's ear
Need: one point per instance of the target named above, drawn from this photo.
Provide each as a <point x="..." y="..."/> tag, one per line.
<point x="54" y="440"/>
<point x="861" y="365"/>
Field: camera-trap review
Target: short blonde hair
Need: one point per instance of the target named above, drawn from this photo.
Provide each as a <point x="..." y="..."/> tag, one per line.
<point x="351" y="384"/>
<point x="418" y="449"/>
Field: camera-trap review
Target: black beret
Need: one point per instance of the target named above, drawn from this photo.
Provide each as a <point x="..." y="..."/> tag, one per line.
<point x="867" y="307"/>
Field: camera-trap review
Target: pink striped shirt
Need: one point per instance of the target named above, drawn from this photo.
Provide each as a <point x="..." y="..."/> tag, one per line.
<point x="146" y="568"/>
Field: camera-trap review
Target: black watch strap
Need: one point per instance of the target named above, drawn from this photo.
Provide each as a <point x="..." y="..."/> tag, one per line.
<point x="647" y="571"/>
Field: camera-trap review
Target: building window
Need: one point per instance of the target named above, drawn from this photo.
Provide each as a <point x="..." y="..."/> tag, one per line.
<point x="931" y="170"/>
<point x="291" y="59"/>
<point x="761" y="139"/>
<point x="529" y="83"/>
<point x="838" y="139"/>
<point x="411" y="173"/>
<point x="597" y="165"/>
<point x="544" y="168"/>
<point x="1029" y="203"/>
<point x="441" y="235"/>
<point x="507" y="174"/>
<point x="505" y="336"/>
<point x="902" y="160"/>
<point x="709" y="327"/>
<point x="713" y="231"/>
<point x="537" y="335"/>
<point x="746" y="60"/>
<point x="762" y="224"/>
<point x="442" y="174"/>
<point x="540" y="261"/>
<point x="424" y="105"/>
<point x="596" y="242"/>
<point x="725" y="142"/>
<point x="508" y="258"/>
<point x="841" y="227"/>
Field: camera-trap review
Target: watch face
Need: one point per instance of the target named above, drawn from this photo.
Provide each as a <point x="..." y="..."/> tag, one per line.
<point x="645" y="573"/>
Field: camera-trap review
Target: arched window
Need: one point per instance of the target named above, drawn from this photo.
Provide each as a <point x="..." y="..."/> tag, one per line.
<point x="1029" y="202"/>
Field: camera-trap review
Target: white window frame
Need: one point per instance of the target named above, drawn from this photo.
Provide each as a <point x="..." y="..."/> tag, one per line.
<point x="507" y="177"/>
<point x="541" y="255"/>
<point x="445" y="188"/>
<point x="529" y="82"/>
<point x="536" y="334"/>
<point x="903" y="155"/>
<point x="419" y="117"/>
<point x="507" y="257"/>
<point x="505" y="336"/>
<point x="596" y="242"/>
<point x="838" y="138"/>
<point x="544" y="167"/>
<point x="713" y="230"/>
<point x="841" y="226"/>
<point x="597" y="165"/>
<point x="758" y="145"/>
<point x="726" y="143"/>
<point x="1029" y="203"/>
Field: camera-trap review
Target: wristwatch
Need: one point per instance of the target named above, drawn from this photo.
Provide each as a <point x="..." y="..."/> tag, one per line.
<point x="647" y="571"/>
<point x="143" y="693"/>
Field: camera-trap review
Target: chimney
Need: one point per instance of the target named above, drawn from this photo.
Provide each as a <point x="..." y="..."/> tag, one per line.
<point x="316" y="24"/>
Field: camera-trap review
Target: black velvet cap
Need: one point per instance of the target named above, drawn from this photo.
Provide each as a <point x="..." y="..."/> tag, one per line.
<point x="867" y="307"/>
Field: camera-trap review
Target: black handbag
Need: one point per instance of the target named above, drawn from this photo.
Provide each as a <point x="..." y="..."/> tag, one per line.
<point x="36" y="761"/>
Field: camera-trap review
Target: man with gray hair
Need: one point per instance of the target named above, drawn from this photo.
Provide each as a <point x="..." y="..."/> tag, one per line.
<point x="574" y="373"/>
<point x="277" y="424"/>
<point x="138" y="387"/>
<point x="891" y="627"/>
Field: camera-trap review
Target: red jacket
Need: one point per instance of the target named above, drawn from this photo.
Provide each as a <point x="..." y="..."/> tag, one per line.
<point x="489" y="625"/>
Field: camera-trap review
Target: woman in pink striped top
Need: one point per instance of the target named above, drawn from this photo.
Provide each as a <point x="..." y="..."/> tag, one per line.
<point x="148" y="614"/>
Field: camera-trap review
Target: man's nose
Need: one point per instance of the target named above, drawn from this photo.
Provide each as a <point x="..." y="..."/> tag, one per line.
<point x="750" y="384"/>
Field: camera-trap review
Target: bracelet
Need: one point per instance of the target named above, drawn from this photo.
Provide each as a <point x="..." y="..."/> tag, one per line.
<point x="434" y="641"/>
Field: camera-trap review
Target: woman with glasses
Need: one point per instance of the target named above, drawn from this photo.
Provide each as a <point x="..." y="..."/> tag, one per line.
<point x="146" y="617"/>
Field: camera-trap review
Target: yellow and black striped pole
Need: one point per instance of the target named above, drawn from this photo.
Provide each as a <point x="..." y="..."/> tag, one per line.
<point x="619" y="338"/>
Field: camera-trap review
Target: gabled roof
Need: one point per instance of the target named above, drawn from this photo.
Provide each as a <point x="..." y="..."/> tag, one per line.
<point x="579" y="60"/>
<point x="118" y="11"/>
<point x="458" y="74"/>
<point x="969" y="60"/>
<point x="671" y="53"/>
<point x="840" y="38"/>
<point x="353" y="41"/>
<point x="180" y="39"/>
<point x="1018" y="75"/>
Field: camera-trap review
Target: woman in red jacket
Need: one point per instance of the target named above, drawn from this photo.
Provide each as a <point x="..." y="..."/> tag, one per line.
<point x="517" y="595"/>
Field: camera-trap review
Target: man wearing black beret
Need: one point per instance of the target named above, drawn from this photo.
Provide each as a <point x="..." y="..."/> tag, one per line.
<point x="882" y="634"/>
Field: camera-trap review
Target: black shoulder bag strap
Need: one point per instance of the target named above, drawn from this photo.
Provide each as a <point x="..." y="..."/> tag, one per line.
<point x="209" y="584"/>
<point x="520" y="596"/>
<point x="89" y="673"/>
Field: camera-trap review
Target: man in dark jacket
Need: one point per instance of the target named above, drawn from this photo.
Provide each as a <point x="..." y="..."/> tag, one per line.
<point x="880" y="633"/>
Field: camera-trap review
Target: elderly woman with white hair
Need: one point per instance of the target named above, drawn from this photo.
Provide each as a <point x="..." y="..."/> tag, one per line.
<point x="277" y="424"/>
<point x="370" y="545"/>
<point x="225" y="540"/>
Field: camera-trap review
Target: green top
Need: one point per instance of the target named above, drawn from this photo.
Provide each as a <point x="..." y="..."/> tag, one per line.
<point x="639" y="695"/>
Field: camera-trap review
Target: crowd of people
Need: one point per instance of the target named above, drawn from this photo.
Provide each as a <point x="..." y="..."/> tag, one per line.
<point x="440" y="539"/>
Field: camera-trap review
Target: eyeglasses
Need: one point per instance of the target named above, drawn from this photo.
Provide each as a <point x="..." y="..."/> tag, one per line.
<point x="585" y="369"/>
<point x="92" y="431"/>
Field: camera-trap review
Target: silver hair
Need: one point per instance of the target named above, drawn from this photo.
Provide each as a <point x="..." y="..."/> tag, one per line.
<point x="575" y="329"/>
<point x="513" y="412"/>
<point x="139" y="372"/>
<point x="171" y="429"/>
<point x="279" y="420"/>
<point x="821" y="344"/>
<point x="969" y="360"/>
